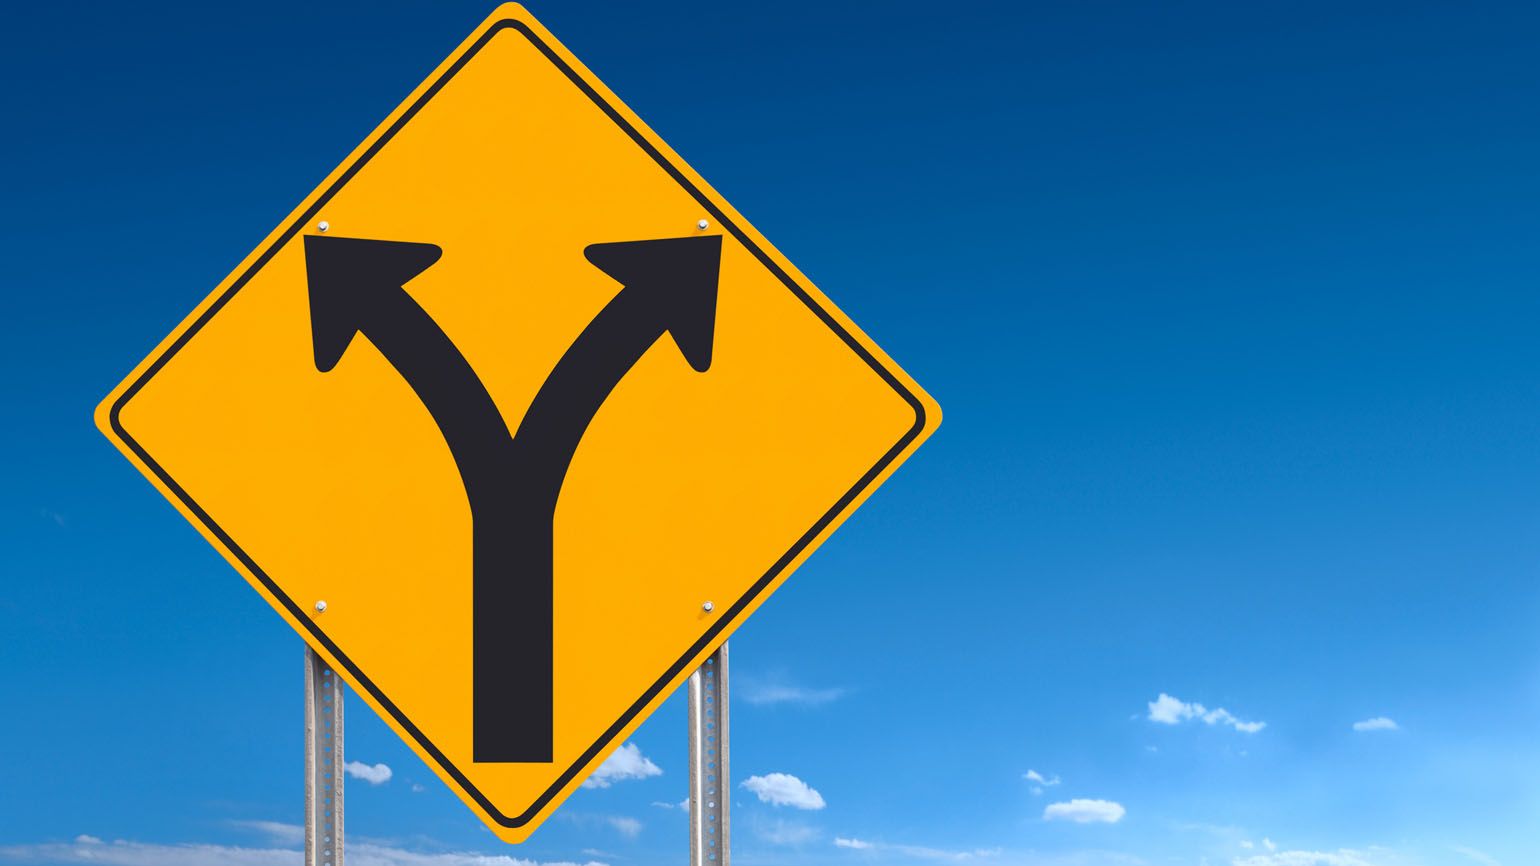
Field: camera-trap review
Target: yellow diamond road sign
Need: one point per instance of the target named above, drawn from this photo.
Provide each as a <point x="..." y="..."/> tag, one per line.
<point x="515" y="393"/>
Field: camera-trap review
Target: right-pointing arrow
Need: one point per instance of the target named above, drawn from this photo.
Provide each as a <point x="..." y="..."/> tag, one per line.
<point x="669" y="286"/>
<point x="678" y="277"/>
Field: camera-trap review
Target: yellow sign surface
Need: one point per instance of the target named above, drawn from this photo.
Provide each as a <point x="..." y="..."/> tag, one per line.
<point x="515" y="420"/>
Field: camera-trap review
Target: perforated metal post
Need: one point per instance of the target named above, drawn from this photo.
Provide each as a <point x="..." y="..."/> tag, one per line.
<point x="323" y="763"/>
<point x="709" y="780"/>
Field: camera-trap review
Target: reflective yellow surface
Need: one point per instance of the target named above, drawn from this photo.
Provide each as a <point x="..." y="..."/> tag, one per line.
<point x="687" y="486"/>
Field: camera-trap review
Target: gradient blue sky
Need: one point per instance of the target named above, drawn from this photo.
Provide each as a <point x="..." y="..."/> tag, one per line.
<point x="1232" y="310"/>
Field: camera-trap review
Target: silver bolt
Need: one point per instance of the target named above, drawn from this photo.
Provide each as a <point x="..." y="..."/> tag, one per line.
<point x="323" y="225"/>
<point x="320" y="607"/>
<point x="708" y="607"/>
<point x="702" y="225"/>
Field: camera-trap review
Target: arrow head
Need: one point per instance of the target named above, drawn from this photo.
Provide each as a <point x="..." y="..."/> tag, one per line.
<point x="678" y="277"/>
<point x="348" y="278"/>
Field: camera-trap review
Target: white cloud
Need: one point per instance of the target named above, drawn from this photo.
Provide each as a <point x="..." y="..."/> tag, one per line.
<point x="1378" y="723"/>
<point x="1167" y="710"/>
<point x="770" y="693"/>
<point x="783" y="789"/>
<point x="94" y="852"/>
<point x="1170" y="711"/>
<point x="626" y="762"/>
<point x="1085" y="812"/>
<point x="1040" y="779"/>
<point x="1269" y="844"/>
<point x="1340" y="857"/>
<point x="627" y="827"/>
<point x="378" y="774"/>
<point x="918" y="852"/>
<point x="682" y="805"/>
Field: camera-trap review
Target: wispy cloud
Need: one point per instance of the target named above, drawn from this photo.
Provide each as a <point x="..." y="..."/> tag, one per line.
<point x="91" y="850"/>
<point x="1472" y="854"/>
<point x="783" y="832"/>
<point x="682" y="805"/>
<point x="590" y="822"/>
<point x="1085" y="811"/>
<point x="1340" y="857"/>
<point x="918" y="852"/>
<point x="1167" y="710"/>
<point x="626" y="762"/>
<point x="1378" y="723"/>
<point x="768" y="693"/>
<point x="784" y="789"/>
<point x="1039" y="781"/>
<point x="277" y="832"/>
<point x="627" y="827"/>
<point x="1219" y="830"/>
<point x="377" y="774"/>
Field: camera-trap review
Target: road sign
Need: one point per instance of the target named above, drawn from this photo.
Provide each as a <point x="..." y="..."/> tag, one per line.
<point x="515" y="420"/>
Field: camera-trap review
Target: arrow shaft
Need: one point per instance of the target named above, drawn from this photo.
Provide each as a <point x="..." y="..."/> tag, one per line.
<point x="514" y="598"/>
<point x="512" y="631"/>
<point x="572" y="394"/>
<point x="512" y="637"/>
<point x="449" y="389"/>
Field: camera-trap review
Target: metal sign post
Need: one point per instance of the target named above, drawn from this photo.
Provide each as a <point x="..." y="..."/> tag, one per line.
<point x="709" y="781"/>
<point x="323" y="763"/>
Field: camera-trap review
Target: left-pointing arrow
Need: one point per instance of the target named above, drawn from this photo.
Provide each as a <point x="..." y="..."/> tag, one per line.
<point x="357" y="287"/>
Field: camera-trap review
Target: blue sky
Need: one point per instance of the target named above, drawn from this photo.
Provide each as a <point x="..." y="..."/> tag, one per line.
<point x="1231" y="310"/>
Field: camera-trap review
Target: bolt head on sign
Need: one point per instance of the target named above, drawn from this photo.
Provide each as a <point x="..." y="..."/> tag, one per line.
<point x="514" y="390"/>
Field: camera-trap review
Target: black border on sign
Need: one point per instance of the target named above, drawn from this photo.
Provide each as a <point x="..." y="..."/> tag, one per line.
<point x="729" y="616"/>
